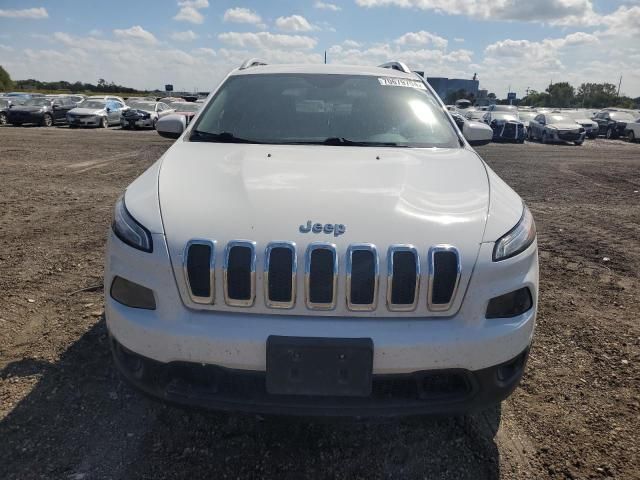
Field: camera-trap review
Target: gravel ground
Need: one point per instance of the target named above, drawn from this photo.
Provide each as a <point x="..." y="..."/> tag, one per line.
<point x="65" y="412"/>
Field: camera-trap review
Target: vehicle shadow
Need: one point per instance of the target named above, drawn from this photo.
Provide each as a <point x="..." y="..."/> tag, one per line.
<point x="81" y="421"/>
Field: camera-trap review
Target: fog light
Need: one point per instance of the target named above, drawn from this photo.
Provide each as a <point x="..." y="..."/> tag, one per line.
<point x="510" y="304"/>
<point x="132" y="295"/>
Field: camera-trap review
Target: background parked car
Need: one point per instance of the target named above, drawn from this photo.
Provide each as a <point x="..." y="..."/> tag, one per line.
<point x="583" y="118"/>
<point x="44" y="111"/>
<point x="633" y="130"/>
<point x="131" y="100"/>
<point x="556" y="127"/>
<point x="4" y="111"/>
<point x="503" y="108"/>
<point x="506" y="126"/>
<point x="95" y="113"/>
<point x="525" y="117"/>
<point x="187" y="109"/>
<point x="613" y="124"/>
<point x="107" y="97"/>
<point x="144" y="114"/>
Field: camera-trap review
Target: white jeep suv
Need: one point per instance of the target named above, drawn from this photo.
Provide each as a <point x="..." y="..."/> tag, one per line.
<point x="322" y="240"/>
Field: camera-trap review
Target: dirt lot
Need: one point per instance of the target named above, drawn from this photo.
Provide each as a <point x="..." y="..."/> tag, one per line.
<point x="65" y="413"/>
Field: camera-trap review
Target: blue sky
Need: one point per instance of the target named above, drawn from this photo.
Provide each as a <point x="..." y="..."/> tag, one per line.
<point x="193" y="43"/>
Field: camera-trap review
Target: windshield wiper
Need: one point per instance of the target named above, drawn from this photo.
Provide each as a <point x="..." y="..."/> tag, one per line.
<point x="341" y="141"/>
<point x="222" y="137"/>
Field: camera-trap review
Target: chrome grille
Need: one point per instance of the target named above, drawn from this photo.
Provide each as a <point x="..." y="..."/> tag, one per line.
<point x="280" y="266"/>
<point x="403" y="278"/>
<point x="405" y="290"/>
<point x="362" y="277"/>
<point x="239" y="273"/>
<point x="444" y="276"/>
<point x="199" y="268"/>
<point x="321" y="276"/>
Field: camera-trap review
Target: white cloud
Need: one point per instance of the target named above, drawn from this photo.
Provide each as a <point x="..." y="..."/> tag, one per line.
<point x="95" y="32"/>
<point x="422" y="38"/>
<point x="206" y="51"/>
<point x="6" y="48"/>
<point x="548" y="11"/>
<point x="351" y="44"/>
<point x="189" y="11"/>
<point x="267" y="40"/>
<point x="294" y="23"/>
<point x="326" y="6"/>
<point x="31" y="13"/>
<point x="136" y="33"/>
<point x="186" y="36"/>
<point x="241" y="15"/>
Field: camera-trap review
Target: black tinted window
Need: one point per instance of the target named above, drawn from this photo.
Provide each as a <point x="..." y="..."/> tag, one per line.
<point x="311" y="108"/>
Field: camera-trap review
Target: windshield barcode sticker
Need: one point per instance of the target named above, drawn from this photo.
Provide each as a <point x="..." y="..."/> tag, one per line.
<point x="401" y="82"/>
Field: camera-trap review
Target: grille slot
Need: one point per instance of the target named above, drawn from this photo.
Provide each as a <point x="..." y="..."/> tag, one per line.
<point x="403" y="278"/>
<point x="444" y="276"/>
<point x="280" y="265"/>
<point x="240" y="273"/>
<point x="321" y="276"/>
<point x="199" y="266"/>
<point x="362" y="277"/>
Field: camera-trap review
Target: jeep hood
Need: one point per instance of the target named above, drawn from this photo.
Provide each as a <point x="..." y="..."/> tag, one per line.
<point x="265" y="192"/>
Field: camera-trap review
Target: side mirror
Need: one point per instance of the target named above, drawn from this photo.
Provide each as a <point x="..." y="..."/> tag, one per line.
<point x="477" y="133"/>
<point x="171" y="126"/>
<point x="108" y="109"/>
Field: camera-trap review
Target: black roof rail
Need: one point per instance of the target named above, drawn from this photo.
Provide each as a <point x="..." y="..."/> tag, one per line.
<point x="400" y="66"/>
<point x="252" y="62"/>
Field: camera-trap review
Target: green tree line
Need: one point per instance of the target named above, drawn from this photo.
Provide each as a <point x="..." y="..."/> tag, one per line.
<point x="587" y="95"/>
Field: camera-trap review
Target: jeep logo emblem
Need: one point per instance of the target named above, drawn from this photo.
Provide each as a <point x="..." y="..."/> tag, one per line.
<point x="337" y="229"/>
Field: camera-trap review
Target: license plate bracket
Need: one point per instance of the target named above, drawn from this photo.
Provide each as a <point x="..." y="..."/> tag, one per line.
<point x="319" y="366"/>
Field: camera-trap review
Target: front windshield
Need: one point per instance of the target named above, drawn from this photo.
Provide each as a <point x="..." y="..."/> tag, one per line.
<point x="560" y="118"/>
<point x="511" y="117"/>
<point x="37" y="102"/>
<point x="325" y="109"/>
<point x="93" y="104"/>
<point x="622" y="116"/>
<point x="143" y="106"/>
<point x="185" y="107"/>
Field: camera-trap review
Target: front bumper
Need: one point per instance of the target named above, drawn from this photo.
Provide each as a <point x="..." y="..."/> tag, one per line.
<point x="136" y="122"/>
<point x="442" y="392"/>
<point x="93" y="121"/>
<point x="404" y="347"/>
<point x="508" y="132"/>
<point x="560" y="136"/>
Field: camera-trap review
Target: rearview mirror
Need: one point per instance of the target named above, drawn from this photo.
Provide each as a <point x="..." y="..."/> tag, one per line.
<point x="171" y="126"/>
<point x="477" y="133"/>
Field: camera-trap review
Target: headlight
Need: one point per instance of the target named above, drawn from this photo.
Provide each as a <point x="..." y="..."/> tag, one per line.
<point x="518" y="239"/>
<point x="129" y="230"/>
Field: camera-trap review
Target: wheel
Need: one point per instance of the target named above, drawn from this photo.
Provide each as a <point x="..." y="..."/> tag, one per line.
<point x="3" y="118"/>
<point x="153" y="124"/>
<point x="609" y="135"/>
<point x="631" y="136"/>
<point x="47" y="120"/>
<point x="545" y="137"/>
<point x="17" y="124"/>
<point x="104" y="123"/>
<point x="124" y="126"/>
<point x="73" y="126"/>
<point x="530" y="135"/>
<point x="577" y="144"/>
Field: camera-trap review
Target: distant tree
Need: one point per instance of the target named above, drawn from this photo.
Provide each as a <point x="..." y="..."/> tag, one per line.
<point x="599" y="95"/>
<point x="5" y="80"/>
<point x="561" y="95"/>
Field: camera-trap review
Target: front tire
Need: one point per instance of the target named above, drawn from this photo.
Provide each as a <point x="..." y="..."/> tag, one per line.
<point x="104" y="123"/>
<point x="545" y="138"/>
<point x="530" y="135"/>
<point x="610" y="134"/>
<point x="47" y="120"/>
<point x="631" y="136"/>
<point x="577" y="144"/>
<point x="3" y="118"/>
